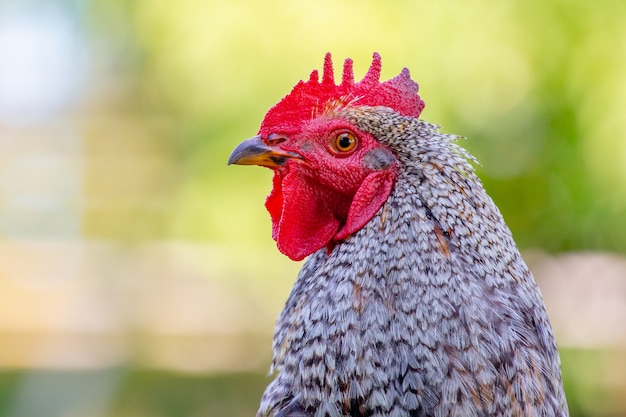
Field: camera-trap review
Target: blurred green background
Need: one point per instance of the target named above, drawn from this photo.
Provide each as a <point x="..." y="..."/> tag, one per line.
<point x="137" y="272"/>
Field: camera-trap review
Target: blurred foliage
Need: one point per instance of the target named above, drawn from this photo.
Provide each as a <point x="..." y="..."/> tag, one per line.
<point x="537" y="86"/>
<point x="593" y="382"/>
<point x="139" y="393"/>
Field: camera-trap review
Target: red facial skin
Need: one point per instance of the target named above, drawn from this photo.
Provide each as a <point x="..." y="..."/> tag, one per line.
<point x="327" y="195"/>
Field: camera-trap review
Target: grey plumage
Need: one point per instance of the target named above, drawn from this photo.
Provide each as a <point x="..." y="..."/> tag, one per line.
<point x="428" y="310"/>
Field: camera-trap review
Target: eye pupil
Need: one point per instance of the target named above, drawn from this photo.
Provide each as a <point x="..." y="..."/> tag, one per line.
<point x="345" y="141"/>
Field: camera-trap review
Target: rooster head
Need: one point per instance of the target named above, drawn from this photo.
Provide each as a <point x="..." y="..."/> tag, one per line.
<point x="330" y="177"/>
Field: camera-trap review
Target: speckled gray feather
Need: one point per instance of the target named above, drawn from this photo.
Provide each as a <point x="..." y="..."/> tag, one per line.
<point x="428" y="310"/>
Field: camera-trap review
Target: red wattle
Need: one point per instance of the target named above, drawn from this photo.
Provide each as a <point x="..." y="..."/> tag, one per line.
<point x="302" y="222"/>
<point x="306" y="218"/>
<point x="370" y="197"/>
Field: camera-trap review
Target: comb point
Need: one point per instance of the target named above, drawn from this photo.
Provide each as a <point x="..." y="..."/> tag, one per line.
<point x="314" y="77"/>
<point x="348" y="73"/>
<point x="328" y="76"/>
<point x="373" y="73"/>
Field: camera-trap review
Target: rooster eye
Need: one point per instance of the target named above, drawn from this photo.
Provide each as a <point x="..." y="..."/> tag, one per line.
<point x="344" y="142"/>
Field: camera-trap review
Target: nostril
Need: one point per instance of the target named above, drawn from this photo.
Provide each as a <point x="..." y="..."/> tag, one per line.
<point x="275" y="139"/>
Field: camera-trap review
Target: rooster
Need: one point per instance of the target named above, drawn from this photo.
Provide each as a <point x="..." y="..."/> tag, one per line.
<point x="414" y="299"/>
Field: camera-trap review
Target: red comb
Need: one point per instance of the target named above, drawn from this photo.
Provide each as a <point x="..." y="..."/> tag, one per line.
<point x="309" y="99"/>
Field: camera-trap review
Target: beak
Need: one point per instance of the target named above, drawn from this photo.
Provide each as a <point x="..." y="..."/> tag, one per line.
<point x="255" y="151"/>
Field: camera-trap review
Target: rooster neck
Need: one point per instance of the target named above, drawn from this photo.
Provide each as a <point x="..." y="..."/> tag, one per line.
<point x="408" y="297"/>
